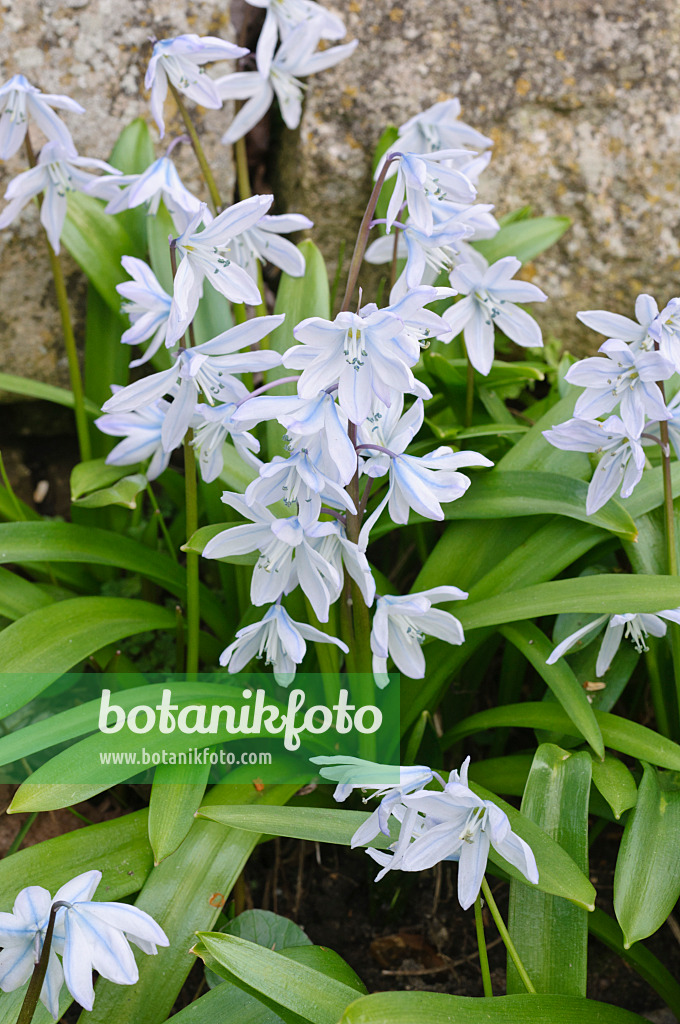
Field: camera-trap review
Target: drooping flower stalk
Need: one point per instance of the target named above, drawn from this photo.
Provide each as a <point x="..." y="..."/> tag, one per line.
<point x="30" y="1003"/>
<point x="82" y="427"/>
<point x="481" y="944"/>
<point x="505" y="935"/>
<point x="208" y="176"/>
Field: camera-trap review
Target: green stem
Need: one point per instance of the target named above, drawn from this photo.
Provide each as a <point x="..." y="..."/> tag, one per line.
<point x="82" y="428"/>
<point x="469" y="392"/>
<point x="198" y="150"/>
<point x="10" y="490"/>
<point x="35" y="985"/>
<point x="671" y="546"/>
<point x="242" y="176"/>
<point x="505" y="935"/>
<point x="22" y="833"/>
<point x="193" y="608"/>
<point x="481" y="943"/>
<point x="161" y="522"/>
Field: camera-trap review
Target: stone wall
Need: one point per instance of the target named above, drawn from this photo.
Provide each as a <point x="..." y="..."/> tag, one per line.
<point x="582" y="100"/>
<point x="95" y="51"/>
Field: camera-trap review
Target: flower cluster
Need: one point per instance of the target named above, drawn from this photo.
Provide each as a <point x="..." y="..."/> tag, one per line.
<point x="435" y="172"/>
<point x="88" y="936"/>
<point x="623" y="402"/>
<point x="452" y="823"/>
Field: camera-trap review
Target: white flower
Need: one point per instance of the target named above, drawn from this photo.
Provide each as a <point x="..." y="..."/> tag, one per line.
<point x="287" y="555"/>
<point x="148" y="307"/>
<point x="622" y="375"/>
<point x="437" y="128"/>
<point x="461" y="826"/>
<point x="180" y="60"/>
<point x="490" y="297"/>
<point x="20" y="102"/>
<point x="613" y="325"/>
<point x="277" y="638"/>
<point x="87" y="935"/>
<point x="285" y="15"/>
<point x="419" y="483"/>
<point x="299" y="480"/>
<point x="160" y="181"/>
<point x="635" y="626"/>
<point x="262" y="242"/>
<point x="212" y="425"/>
<point x="622" y="462"/>
<point x="343" y="554"/>
<point x="22" y="934"/>
<point x="426" y="254"/>
<point x="664" y="330"/>
<point x="367" y="353"/>
<point x="400" y="625"/>
<point x="96" y="936"/>
<point x="206" y="369"/>
<point x="277" y="75"/>
<point x="142" y="429"/>
<point x="424" y="179"/>
<point x="208" y="255"/>
<point x="57" y="172"/>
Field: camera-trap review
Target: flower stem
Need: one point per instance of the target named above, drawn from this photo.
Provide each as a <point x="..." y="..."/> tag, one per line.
<point x="191" y="503"/>
<point x="671" y="545"/>
<point x="505" y="935"/>
<point x="481" y="943"/>
<point x="161" y="522"/>
<point x="242" y="175"/>
<point x="82" y="428"/>
<point x="35" y="985"/>
<point x="198" y="150"/>
<point x="469" y="392"/>
<point x="362" y="237"/>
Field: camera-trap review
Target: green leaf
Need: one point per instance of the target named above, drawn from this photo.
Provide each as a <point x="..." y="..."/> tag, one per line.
<point x="557" y="871"/>
<point x="618" y="733"/>
<point x="612" y="593"/>
<point x="266" y="929"/>
<point x="19" y="597"/>
<point x="44" y="392"/>
<point x="647" y="877"/>
<point x="299" y="298"/>
<point x="175" y="798"/>
<point x="550" y="933"/>
<point x="48" y="642"/>
<point x="524" y="239"/>
<point x="97" y="243"/>
<point x="124" y="492"/>
<point x="183" y="895"/>
<point x="306" y="992"/>
<point x="225" y="1004"/>
<point x="133" y="151"/>
<point x="69" y="542"/>
<point x="499" y="495"/>
<point x="536" y="648"/>
<point x="616" y="784"/>
<point x="438" y="1008"/>
<point x="605" y="928"/>
<point x="453" y="372"/>
<point x="93" y="476"/>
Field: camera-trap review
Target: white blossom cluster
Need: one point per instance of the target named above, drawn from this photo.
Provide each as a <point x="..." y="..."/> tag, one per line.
<point x="451" y="823"/>
<point x="623" y="402"/>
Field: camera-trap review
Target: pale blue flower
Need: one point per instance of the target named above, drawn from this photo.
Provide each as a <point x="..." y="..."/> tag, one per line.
<point x="613" y="325"/>
<point x="426" y="254"/>
<point x="180" y="60"/>
<point x="635" y="626"/>
<point x="96" y="936"/>
<point x="489" y="301"/>
<point x="622" y="462"/>
<point x="366" y="354"/>
<point x="664" y="330"/>
<point x="424" y="179"/>
<point x="212" y="425"/>
<point x="21" y="102"/>
<point x="206" y="369"/>
<point x="400" y="625"/>
<point x="621" y="375"/>
<point x="278" y="74"/>
<point x="263" y="243"/>
<point x="298" y="480"/>
<point x="22" y="934"/>
<point x="287" y="555"/>
<point x="673" y="410"/>
<point x="208" y="255"/>
<point x="320" y="421"/>
<point x="57" y="173"/>
<point x="346" y="556"/>
<point x="279" y="640"/>
<point x="437" y="128"/>
<point x="285" y="15"/>
<point x="142" y="430"/>
<point x="148" y="307"/>
<point x="461" y="826"/>
<point x="160" y="181"/>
